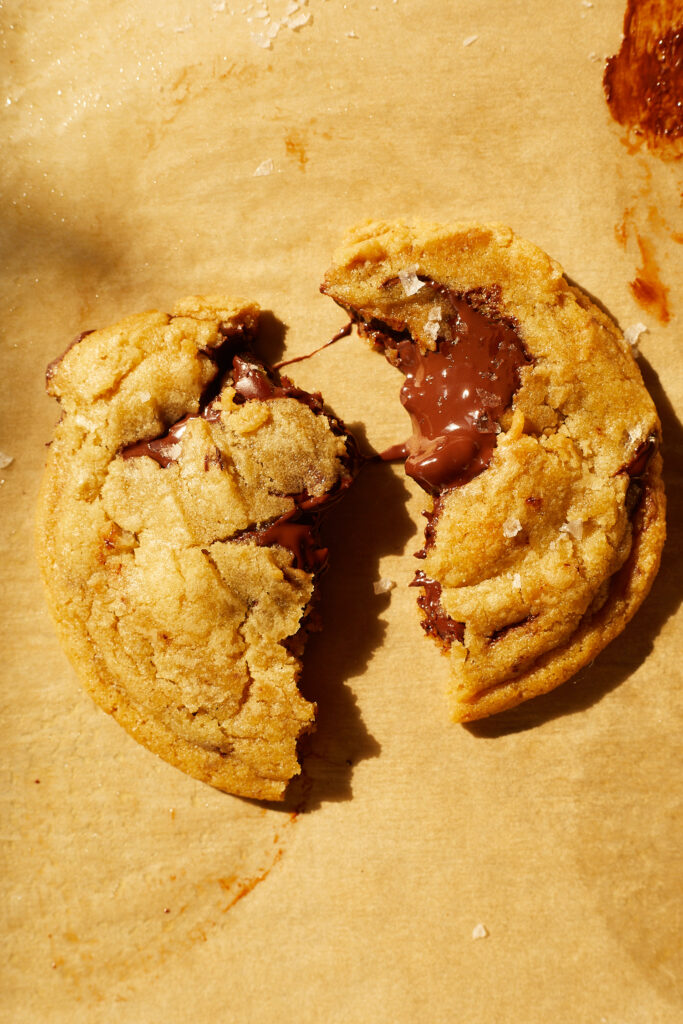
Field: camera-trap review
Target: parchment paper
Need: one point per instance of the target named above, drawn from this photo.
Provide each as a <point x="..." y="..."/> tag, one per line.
<point x="154" y="151"/>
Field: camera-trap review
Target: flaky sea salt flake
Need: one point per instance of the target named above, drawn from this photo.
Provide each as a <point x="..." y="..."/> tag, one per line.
<point x="480" y="931"/>
<point x="261" y="39"/>
<point x="468" y="40"/>
<point x="433" y="323"/>
<point x="574" y="527"/>
<point x="383" y="586"/>
<point x="410" y="282"/>
<point x="633" y="333"/>
<point x="511" y="527"/>
<point x="5" y="460"/>
<point x="265" y="167"/>
<point x="517" y="581"/>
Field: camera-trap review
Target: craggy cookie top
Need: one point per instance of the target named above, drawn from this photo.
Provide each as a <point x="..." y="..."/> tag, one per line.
<point x="177" y="537"/>
<point x="533" y="431"/>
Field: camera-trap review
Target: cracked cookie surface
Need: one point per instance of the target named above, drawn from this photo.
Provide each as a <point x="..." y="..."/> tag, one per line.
<point x="177" y="539"/>
<point x="537" y="439"/>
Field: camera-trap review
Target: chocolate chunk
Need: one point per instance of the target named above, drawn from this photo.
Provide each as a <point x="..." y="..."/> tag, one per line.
<point x="164" y="450"/>
<point x="299" y="537"/>
<point x="638" y="464"/>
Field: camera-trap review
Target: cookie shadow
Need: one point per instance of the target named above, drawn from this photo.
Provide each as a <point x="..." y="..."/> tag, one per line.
<point x="270" y="341"/>
<point x="371" y="521"/>
<point x="629" y="650"/>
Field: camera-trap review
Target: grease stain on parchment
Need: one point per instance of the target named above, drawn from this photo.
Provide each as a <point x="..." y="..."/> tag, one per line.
<point x="158" y="900"/>
<point x="632" y="866"/>
<point x="651" y="238"/>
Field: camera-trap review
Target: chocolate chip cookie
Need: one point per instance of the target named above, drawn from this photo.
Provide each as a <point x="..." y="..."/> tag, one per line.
<point x="177" y="537"/>
<point x="536" y="439"/>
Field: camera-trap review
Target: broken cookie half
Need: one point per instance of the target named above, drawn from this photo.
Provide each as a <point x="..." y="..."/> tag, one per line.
<point x="177" y="537"/>
<point x="535" y="437"/>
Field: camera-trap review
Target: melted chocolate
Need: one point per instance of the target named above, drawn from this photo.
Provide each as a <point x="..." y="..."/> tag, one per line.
<point x="343" y="333"/>
<point x="435" y="620"/>
<point x="251" y="380"/>
<point x="643" y="83"/>
<point x="456" y="394"/>
<point x="296" y="535"/>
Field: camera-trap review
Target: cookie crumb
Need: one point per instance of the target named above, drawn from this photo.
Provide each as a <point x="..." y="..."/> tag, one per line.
<point x="480" y="931"/>
<point x="265" y="167"/>
<point x="511" y="527"/>
<point x="5" y="460"/>
<point x="633" y="333"/>
<point x="298" y="19"/>
<point x="383" y="586"/>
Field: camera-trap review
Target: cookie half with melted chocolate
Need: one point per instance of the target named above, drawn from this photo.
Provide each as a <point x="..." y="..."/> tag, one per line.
<point x="178" y="537"/>
<point x="536" y="439"/>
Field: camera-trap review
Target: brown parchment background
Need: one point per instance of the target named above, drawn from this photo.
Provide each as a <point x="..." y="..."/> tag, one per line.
<point x="132" y="132"/>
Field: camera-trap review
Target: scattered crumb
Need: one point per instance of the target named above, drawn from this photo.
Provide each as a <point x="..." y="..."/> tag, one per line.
<point x="632" y="335"/>
<point x="468" y="40"/>
<point x="266" y="167"/>
<point x="410" y="281"/>
<point x="480" y="931"/>
<point x="5" y="460"/>
<point x="272" y="16"/>
<point x="573" y="527"/>
<point x="517" y="581"/>
<point x="352" y="34"/>
<point x="511" y="527"/>
<point x="298" y="20"/>
<point x="383" y="586"/>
